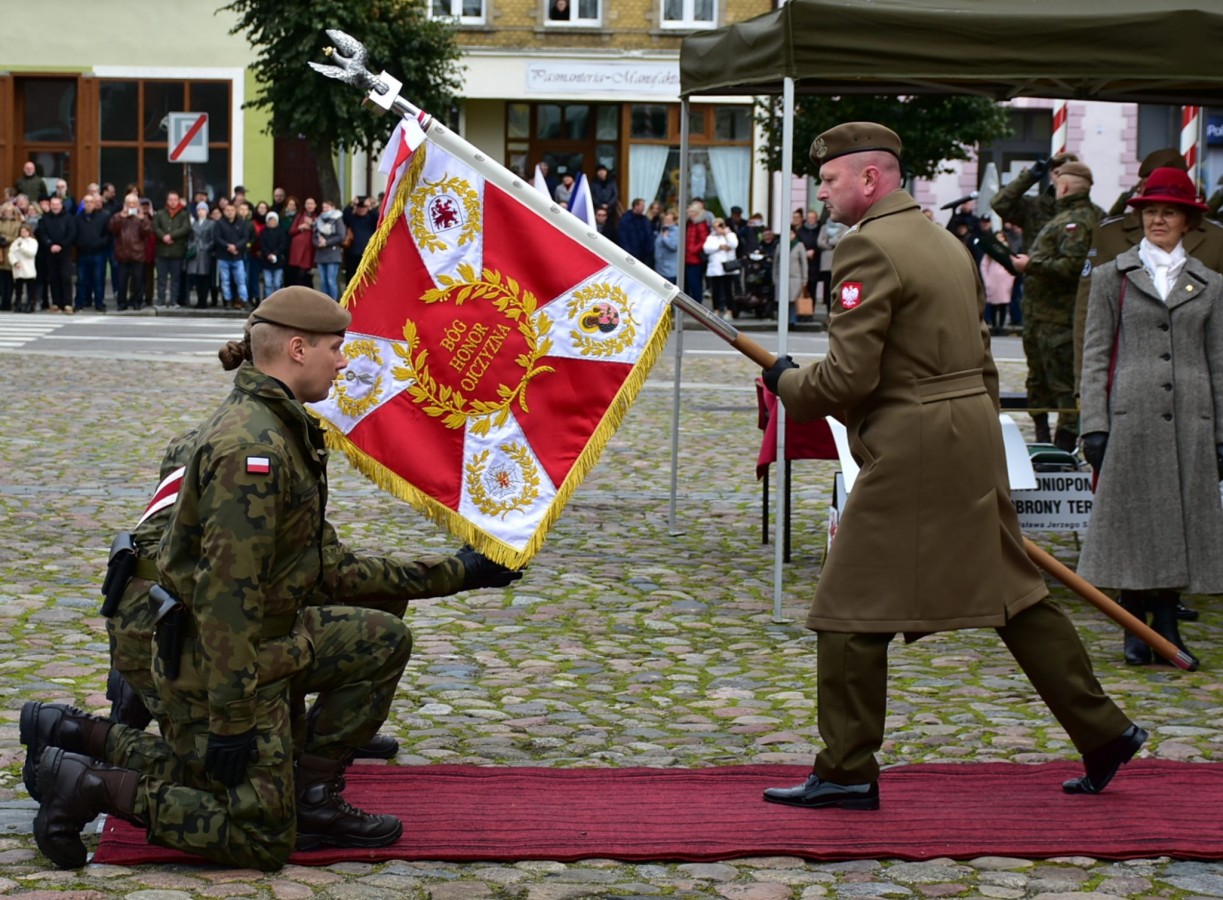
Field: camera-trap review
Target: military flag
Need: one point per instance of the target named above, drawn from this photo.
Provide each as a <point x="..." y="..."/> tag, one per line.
<point x="494" y="349"/>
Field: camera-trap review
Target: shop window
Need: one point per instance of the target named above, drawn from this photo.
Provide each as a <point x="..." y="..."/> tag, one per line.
<point x="120" y="110"/>
<point x="608" y="123"/>
<point x="732" y="123"/>
<point x="466" y="12"/>
<point x="518" y="120"/>
<point x="587" y="13"/>
<point x="160" y="99"/>
<point x="649" y="121"/>
<point x="50" y="110"/>
<point x="689" y="13"/>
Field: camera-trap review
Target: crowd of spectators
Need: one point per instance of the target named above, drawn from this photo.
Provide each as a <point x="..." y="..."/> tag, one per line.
<point x="60" y="254"/>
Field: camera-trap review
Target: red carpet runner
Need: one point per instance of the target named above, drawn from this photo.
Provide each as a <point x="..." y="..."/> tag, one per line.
<point x="459" y="813"/>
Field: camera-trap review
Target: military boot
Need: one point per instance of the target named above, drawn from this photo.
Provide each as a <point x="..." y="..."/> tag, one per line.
<point x="46" y="725"/>
<point x="75" y="790"/>
<point x="126" y="705"/>
<point x="380" y="746"/>
<point x="1137" y="653"/>
<point x="1041" y="423"/>
<point x="1164" y="622"/>
<point x="1065" y="439"/>
<point x="325" y="819"/>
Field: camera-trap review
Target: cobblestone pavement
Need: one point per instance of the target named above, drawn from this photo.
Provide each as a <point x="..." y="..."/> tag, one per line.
<point x="623" y="646"/>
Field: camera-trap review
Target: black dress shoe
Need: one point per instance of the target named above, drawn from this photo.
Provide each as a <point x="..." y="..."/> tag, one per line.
<point x="1102" y="764"/>
<point x="380" y="746"/>
<point x="1185" y="614"/>
<point x="815" y="793"/>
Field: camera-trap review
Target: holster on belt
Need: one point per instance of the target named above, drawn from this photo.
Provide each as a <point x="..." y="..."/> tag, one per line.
<point x="119" y="571"/>
<point x="171" y="617"/>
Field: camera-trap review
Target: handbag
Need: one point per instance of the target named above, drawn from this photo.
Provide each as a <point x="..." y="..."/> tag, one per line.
<point x="804" y="306"/>
<point x="732" y="266"/>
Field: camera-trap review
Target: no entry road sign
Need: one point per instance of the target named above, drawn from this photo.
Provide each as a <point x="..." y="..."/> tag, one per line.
<point x="188" y="137"/>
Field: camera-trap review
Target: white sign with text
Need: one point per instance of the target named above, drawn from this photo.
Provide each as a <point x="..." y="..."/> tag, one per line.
<point x="629" y="78"/>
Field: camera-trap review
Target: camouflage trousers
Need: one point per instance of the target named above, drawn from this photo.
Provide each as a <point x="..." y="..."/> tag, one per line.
<point x="353" y="658"/>
<point x="1050" y="383"/>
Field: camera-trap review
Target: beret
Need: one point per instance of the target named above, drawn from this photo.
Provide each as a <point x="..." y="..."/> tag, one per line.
<point x="303" y="308"/>
<point x="1166" y="158"/>
<point x="1077" y="169"/>
<point x="854" y="137"/>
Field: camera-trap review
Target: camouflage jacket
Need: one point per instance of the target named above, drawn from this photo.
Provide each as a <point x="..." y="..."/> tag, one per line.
<point x="1057" y="259"/>
<point x="248" y="546"/>
<point x="1029" y="213"/>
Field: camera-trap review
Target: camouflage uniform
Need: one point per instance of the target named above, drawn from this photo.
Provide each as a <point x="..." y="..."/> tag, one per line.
<point x="249" y="553"/>
<point x="1029" y="213"/>
<point x="1050" y="283"/>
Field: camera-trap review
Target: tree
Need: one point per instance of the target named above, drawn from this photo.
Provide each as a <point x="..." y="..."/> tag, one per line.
<point x="400" y="38"/>
<point x="933" y="128"/>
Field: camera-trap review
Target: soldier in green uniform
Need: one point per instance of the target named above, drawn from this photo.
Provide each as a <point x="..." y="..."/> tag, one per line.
<point x="257" y="573"/>
<point x="1051" y="273"/>
<point x="1031" y="213"/>
<point x="930" y="540"/>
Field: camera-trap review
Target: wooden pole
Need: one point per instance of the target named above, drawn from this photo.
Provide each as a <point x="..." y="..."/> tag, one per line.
<point x="1109" y="607"/>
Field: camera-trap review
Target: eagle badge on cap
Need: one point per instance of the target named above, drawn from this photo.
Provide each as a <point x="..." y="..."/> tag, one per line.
<point x="819" y="148"/>
<point x="851" y="294"/>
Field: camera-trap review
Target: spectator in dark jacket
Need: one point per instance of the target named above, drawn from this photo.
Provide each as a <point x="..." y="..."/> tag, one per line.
<point x="131" y="228"/>
<point x="57" y="235"/>
<point x="172" y="228"/>
<point x="31" y="184"/>
<point x="636" y="233"/>
<point x="361" y="226"/>
<point x="274" y="245"/>
<point x="231" y="238"/>
<point x="91" y="248"/>
<point x="603" y="192"/>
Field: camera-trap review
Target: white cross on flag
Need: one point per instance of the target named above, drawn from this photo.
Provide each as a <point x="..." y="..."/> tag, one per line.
<point x="491" y="355"/>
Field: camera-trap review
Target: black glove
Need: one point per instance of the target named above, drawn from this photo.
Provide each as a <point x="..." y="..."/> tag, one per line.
<point x="1039" y="168"/>
<point x="227" y="756"/>
<point x="1094" y="445"/>
<point x="1219" y="459"/>
<point x="481" y="572"/>
<point x="773" y="375"/>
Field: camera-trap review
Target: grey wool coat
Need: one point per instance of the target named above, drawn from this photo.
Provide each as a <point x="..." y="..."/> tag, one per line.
<point x="1157" y="521"/>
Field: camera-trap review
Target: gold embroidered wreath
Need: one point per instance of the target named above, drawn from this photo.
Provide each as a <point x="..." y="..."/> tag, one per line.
<point x="426" y="239"/>
<point x="625" y="334"/>
<point x="358" y="406"/>
<point x="517" y="305"/>
<point x="521" y="501"/>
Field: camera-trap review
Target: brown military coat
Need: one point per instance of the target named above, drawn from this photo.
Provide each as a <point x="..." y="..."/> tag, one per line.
<point x="929" y="540"/>
<point x="1113" y="237"/>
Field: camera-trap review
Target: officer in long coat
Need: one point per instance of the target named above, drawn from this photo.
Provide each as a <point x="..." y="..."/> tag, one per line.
<point x="929" y="540"/>
<point x="253" y="563"/>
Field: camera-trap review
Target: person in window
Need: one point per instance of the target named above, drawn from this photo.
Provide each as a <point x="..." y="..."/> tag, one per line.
<point x="559" y="11"/>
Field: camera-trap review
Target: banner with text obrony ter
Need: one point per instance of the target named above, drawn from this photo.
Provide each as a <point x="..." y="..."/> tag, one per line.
<point x="490" y="355"/>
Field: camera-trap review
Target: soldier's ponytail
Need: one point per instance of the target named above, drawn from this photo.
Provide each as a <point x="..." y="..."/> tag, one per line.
<point x="234" y="353"/>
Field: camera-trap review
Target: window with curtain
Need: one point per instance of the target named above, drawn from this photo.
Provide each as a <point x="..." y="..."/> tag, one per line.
<point x="689" y="13"/>
<point x="465" y="12"/>
<point x="587" y="13"/>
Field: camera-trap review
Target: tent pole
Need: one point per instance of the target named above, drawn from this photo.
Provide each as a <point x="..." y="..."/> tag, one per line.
<point x="677" y="319"/>
<point x="782" y="290"/>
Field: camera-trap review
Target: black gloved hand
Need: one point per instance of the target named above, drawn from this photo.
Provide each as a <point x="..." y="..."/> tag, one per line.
<point x="1038" y="169"/>
<point x="1219" y="459"/>
<point x="1094" y="445"/>
<point x="481" y="572"/>
<point x="773" y="375"/>
<point x="226" y="757"/>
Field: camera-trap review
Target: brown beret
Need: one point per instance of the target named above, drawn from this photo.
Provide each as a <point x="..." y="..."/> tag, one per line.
<point x="854" y="137"/>
<point x="1077" y="169"/>
<point x="302" y="308"/>
<point x="1167" y="158"/>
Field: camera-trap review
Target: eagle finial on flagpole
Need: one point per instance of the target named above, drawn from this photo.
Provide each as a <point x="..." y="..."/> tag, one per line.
<point x="350" y="58"/>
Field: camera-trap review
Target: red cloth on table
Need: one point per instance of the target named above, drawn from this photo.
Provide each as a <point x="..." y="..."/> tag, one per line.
<point x="804" y="440"/>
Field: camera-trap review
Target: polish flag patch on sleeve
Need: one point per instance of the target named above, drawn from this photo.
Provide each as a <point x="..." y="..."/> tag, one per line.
<point x="851" y="294"/>
<point x="258" y="465"/>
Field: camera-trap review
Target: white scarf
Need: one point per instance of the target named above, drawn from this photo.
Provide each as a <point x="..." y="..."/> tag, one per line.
<point x="1163" y="267"/>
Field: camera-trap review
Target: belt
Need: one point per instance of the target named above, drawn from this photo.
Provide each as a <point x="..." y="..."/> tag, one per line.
<point x="146" y="569"/>
<point x="950" y="386"/>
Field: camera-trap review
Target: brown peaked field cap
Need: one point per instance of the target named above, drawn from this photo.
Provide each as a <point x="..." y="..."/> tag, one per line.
<point x="1077" y="169"/>
<point x="1167" y="158"/>
<point x="302" y="308"/>
<point x="854" y="137"/>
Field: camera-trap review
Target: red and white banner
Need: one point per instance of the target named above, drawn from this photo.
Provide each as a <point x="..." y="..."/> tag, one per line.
<point x="491" y="354"/>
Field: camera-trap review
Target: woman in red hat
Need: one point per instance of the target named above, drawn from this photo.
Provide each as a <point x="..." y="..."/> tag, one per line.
<point x="1152" y="406"/>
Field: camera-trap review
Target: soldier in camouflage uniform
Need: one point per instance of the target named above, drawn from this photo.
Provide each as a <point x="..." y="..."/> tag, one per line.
<point x="255" y="565"/>
<point x="1051" y="274"/>
<point x="1031" y="213"/>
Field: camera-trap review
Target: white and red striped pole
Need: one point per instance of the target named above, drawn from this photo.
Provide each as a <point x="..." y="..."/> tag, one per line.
<point x="1058" y="146"/>
<point x="1190" y="121"/>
